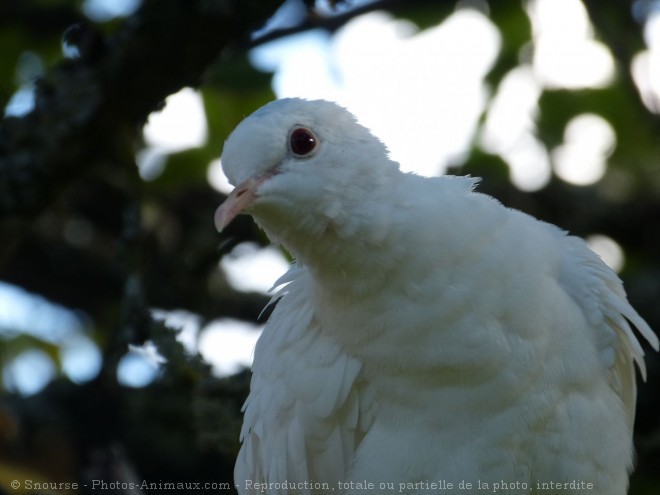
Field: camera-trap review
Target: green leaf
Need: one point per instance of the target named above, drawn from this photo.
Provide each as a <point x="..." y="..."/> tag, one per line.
<point x="184" y="168"/>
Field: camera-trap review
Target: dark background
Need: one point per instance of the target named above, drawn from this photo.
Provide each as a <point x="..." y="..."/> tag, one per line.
<point x="73" y="157"/>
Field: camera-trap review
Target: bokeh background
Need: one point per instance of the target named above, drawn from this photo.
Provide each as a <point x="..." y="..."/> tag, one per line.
<point x="127" y="322"/>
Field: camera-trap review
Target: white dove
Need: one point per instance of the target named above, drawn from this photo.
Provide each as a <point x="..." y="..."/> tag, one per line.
<point x="427" y="337"/>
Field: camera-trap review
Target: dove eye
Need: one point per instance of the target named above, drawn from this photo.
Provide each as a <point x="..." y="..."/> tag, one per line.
<point x="302" y="141"/>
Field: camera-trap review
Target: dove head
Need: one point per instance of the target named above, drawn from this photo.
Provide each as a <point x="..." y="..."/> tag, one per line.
<point x="304" y="170"/>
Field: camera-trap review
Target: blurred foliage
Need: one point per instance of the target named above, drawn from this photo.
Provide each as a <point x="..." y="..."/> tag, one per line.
<point x="150" y="244"/>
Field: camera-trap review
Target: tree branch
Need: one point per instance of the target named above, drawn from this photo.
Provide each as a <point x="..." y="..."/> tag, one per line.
<point x="334" y="22"/>
<point x="163" y="47"/>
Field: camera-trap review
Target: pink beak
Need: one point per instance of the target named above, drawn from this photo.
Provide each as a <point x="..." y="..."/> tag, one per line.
<point x="238" y="200"/>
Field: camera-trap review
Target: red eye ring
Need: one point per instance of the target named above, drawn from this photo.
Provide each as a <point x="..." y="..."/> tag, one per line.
<point x="302" y="141"/>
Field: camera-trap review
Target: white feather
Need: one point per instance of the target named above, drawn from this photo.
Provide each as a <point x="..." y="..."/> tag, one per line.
<point x="426" y="331"/>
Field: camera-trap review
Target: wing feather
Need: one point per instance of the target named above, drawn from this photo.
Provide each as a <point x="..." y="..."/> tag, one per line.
<point x="599" y="292"/>
<point x="301" y="418"/>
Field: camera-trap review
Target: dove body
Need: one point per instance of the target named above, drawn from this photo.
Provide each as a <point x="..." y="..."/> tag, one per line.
<point x="425" y="332"/>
